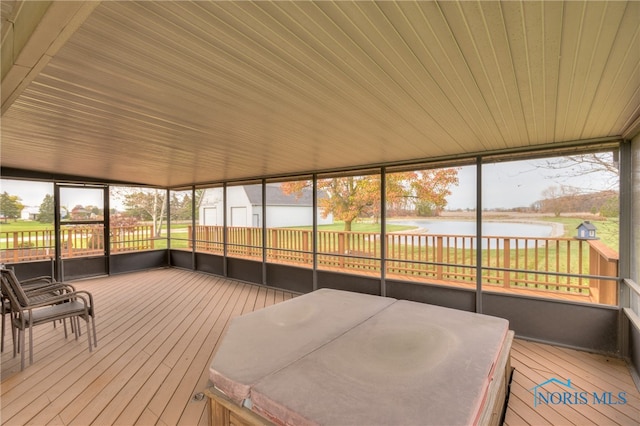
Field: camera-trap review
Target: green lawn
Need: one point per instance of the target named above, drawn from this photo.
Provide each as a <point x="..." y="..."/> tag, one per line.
<point x="607" y="229"/>
<point x="24" y="225"/>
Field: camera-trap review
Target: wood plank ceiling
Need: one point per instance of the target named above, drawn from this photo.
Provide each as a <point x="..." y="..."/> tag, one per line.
<point x="177" y="92"/>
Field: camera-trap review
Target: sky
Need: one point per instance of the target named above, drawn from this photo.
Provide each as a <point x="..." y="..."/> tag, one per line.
<point x="505" y="185"/>
<point x="516" y="184"/>
<point x="33" y="193"/>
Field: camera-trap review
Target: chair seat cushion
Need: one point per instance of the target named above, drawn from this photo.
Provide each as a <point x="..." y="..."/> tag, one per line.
<point x="51" y="313"/>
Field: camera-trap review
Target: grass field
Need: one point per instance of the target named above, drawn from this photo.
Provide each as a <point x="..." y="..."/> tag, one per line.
<point x="607" y="229"/>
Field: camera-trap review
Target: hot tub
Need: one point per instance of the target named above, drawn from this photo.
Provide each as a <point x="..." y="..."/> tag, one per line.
<point x="339" y="358"/>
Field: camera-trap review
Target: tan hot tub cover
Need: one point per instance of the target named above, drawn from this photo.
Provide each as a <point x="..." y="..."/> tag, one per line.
<point x="332" y="357"/>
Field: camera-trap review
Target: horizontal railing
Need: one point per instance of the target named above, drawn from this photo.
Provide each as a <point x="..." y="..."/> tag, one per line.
<point x="555" y="265"/>
<point x="22" y="246"/>
<point x="566" y="266"/>
<point x="75" y="241"/>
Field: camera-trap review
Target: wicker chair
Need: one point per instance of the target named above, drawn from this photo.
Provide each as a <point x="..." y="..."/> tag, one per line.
<point x="40" y="306"/>
<point x="39" y="287"/>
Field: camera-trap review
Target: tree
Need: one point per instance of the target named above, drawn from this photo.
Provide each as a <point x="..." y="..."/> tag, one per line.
<point x="47" y="210"/>
<point x="610" y="207"/>
<point x="10" y="206"/>
<point x="146" y="204"/>
<point x="200" y="193"/>
<point x="432" y="187"/>
<point x="557" y="199"/>
<point x="352" y="197"/>
<point x="605" y="164"/>
<point x="180" y="206"/>
<point x="564" y="199"/>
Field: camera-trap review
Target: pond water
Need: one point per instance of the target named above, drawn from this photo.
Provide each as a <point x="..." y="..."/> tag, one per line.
<point x="460" y="227"/>
<point x="468" y="228"/>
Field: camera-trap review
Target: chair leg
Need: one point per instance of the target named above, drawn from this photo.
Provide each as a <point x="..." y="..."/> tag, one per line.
<point x="95" y="336"/>
<point x="3" y="321"/>
<point x="30" y="344"/>
<point x="21" y="332"/>
<point x="16" y="340"/>
<point x="78" y="328"/>
<point x="88" y="333"/>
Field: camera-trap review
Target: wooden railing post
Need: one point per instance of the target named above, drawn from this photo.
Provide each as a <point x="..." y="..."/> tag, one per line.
<point x="439" y="257"/>
<point x="69" y="243"/>
<point x="506" y="263"/>
<point x="274" y="243"/>
<point x="306" y="247"/>
<point x="603" y="261"/>
<point x="341" y="248"/>
<point x="15" y="246"/>
<point x="248" y="241"/>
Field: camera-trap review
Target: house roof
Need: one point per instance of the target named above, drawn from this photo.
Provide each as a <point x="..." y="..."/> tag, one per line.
<point x="276" y="197"/>
<point x="181" y="92"/>
<point x="588" y="225"/>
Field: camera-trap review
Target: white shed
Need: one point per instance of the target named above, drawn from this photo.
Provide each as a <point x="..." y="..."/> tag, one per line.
<point x="244" y="207"/>
<point x="30" y="213"/>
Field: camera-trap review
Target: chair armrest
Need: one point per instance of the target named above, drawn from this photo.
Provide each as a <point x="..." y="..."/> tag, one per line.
<point x="44" y="278"/>
<point x="54" y="287"/>
<point x="59" y="299"/>
<point x="31" y="286"/>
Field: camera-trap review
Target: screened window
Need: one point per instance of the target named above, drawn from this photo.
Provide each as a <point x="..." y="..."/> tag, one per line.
<point x="348" y="237"/>
<point x="209" y="235"/>
<point x="289" y="221"/>
<point x="26" y="221"/>
<point x="181" y="219"/>
<point x="431" y="225"/>
<point x="244" y="221"/>
<point x="137" y="219"/>
<point x="548" y="223"/>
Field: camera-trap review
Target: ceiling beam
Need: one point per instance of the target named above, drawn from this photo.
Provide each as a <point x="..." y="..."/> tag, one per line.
<point x="34" y="31"/>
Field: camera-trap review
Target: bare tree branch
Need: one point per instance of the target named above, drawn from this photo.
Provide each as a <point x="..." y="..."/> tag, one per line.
<point x="603" y="163"/>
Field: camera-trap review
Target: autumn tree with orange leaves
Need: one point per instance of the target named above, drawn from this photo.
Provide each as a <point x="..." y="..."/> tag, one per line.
<point x="351" y="197"/>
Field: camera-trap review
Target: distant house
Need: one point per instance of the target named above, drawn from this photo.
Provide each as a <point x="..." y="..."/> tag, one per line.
<point x="244" y="207"/>
<point x="30" y="213"/>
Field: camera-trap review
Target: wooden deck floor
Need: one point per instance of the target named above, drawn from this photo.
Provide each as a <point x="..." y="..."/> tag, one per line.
<point x="158" y="331"/>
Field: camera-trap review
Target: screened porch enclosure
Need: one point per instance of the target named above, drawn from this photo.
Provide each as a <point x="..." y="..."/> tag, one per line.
<point x="183" y="116"/>
<point x="372" y="222"/>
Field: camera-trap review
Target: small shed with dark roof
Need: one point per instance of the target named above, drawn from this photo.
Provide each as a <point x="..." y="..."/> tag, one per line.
<point x="245" y="207"/>
<point x="586" y="231"/>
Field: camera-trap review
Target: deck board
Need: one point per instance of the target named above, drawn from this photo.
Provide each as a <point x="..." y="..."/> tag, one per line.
<point x="535" y="363"/>
<point x="158" y="331"/>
